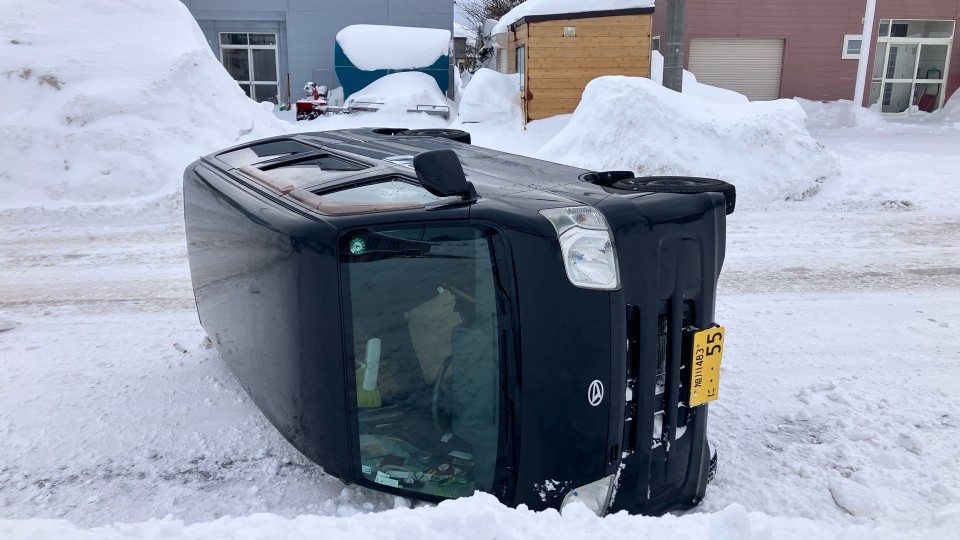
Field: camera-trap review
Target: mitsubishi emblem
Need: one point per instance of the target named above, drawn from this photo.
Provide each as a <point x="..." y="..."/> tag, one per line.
<point x="595" y="393"/>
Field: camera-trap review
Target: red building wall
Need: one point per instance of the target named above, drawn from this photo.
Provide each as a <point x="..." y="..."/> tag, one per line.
<point x="813" y="33"/>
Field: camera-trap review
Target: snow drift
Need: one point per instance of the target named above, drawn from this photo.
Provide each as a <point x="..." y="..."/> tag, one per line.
<point x="105" y="122"/>
<point x="634" y="123"/>
<point x="399" y="92"/>
<point x="841" y="113"/>
<point x="692" y="87"/>
<point x="950" y="113"/>
<point x="491" y="97"/>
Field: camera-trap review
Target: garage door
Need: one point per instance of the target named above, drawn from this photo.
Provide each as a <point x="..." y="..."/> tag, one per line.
<point x="749" y="66"/>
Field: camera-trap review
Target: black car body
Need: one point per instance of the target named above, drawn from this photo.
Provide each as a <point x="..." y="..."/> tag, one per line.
<point x="432" y="345"/>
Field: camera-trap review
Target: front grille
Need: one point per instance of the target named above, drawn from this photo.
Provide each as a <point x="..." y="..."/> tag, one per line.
<point x="669" y="386"/>
<point x="657" y="417"/>
<point x="669" y="289"/>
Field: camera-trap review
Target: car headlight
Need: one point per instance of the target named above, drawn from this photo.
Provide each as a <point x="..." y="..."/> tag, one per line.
<point x="596" y="495"/>
<point x="587" y="245"/>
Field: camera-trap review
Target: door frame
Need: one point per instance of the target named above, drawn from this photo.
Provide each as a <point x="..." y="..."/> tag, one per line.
<point x="919" y="42"/>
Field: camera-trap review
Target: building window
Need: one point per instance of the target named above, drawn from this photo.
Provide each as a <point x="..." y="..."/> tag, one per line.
<point x="251" y="59"/>
<point x="521" y="64"/>
<point x="910" y="65"/>
<point x="655" y="43"/>
<point x="851" y="46"/>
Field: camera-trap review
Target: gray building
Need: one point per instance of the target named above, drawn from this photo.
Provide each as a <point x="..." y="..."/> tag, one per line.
<point x="261" y="41"/>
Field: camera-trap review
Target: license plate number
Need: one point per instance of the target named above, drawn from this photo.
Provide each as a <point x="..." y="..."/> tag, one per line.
<point x="707" y="352"/>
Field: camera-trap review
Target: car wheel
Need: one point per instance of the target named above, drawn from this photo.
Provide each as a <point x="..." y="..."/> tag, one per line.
<point x="453" y="134"/>
<point x="388" y="131"/>
<point x="681" y="184"/>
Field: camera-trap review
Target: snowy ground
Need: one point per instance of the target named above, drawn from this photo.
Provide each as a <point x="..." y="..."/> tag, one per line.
<point x="837" y="415"/>
<point x="836" y="418"/>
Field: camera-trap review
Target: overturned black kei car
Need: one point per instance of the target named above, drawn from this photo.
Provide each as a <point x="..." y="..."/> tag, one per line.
<point x="429" y="318"/>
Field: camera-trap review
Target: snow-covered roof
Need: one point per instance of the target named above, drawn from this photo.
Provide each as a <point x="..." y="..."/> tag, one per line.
<point x="372" y="47"/>
<point x="559" y="7"/>
<point x="460" y="30"/>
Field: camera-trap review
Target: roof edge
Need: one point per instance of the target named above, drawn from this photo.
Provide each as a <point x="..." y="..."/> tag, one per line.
<point x="581" y="15"/>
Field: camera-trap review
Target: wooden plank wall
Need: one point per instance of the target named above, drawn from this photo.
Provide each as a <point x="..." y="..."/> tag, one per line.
<point x="559" y="68"/>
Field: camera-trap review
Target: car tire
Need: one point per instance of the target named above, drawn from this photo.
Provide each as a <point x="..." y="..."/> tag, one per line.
<point x="453" y="134"/>
<point x="681" y="184"/>
<point x="388" y="131"/>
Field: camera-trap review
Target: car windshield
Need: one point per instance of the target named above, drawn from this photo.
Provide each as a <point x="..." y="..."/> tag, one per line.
<point x="424" y="312"/>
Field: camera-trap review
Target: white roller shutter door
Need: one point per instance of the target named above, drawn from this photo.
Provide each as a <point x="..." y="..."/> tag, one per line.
<point x="746" y="65"/>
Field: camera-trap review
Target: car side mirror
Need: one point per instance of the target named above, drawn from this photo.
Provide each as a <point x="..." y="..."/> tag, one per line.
<point x="441" y="173"/>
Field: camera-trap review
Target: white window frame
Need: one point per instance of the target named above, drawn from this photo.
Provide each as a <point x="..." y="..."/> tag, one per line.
<point x="886" y="42"/>
<point x="655" y="43"/>
<point x="252" y="82"/>
<point x="846" y="54"/>
<point x="521" y="63"/>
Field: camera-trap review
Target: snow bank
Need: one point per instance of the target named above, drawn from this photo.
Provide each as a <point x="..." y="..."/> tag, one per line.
<point x="839" y="114"/>
<point x="692" y="87"/>
<point x="371" y="47"/>
<point x="950" y="113"/>
<point x="555" y="7"/>
<point x="111" y="121"/>
<point x="491" y="97"/>
<point x="481" y="516"/>
<point x="401" y="91"/>
<point x="634" y="123"/>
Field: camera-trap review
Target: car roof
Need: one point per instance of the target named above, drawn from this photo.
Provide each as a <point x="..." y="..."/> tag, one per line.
<point x="493" y="173"/>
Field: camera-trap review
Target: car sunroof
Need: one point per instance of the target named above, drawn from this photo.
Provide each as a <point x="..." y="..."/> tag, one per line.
<point x="259" y="153"/>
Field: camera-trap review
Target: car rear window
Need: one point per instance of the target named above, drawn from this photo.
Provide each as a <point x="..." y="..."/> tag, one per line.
<point x="259" y="153"/>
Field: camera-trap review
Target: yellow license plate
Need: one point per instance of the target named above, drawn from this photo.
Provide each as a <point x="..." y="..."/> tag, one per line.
<point x="705" y="365"/>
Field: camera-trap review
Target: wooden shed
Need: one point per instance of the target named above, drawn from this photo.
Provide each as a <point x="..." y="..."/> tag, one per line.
<point x="558" y="54"/>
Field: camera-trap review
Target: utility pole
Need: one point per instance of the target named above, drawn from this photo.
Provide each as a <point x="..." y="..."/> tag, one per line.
<point x="866" y="45"/>
<point x="673" y="52"/>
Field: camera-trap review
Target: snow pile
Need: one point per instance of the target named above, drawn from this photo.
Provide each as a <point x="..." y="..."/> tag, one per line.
<point x="481" y="516"/>
<point x="371" y="47"/>
<point x="491" y="97"/>
<point x="839" y="114"/>
<point x="634" y="123"/>
<point x="113" y="119"/>
<point x="399" y="92"/>
<point x="558" y="7"/>
<point x="950" y="113"/>
<point x="692" y="87"/>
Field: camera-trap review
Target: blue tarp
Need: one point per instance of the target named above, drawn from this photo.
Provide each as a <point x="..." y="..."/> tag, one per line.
<point x="354" y="79"/>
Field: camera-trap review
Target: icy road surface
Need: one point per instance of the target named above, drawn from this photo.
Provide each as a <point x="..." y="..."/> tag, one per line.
<point x="838" y="398"/>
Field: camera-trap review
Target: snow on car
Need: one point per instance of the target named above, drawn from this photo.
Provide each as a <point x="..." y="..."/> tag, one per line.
<point x="408" y="91"/>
